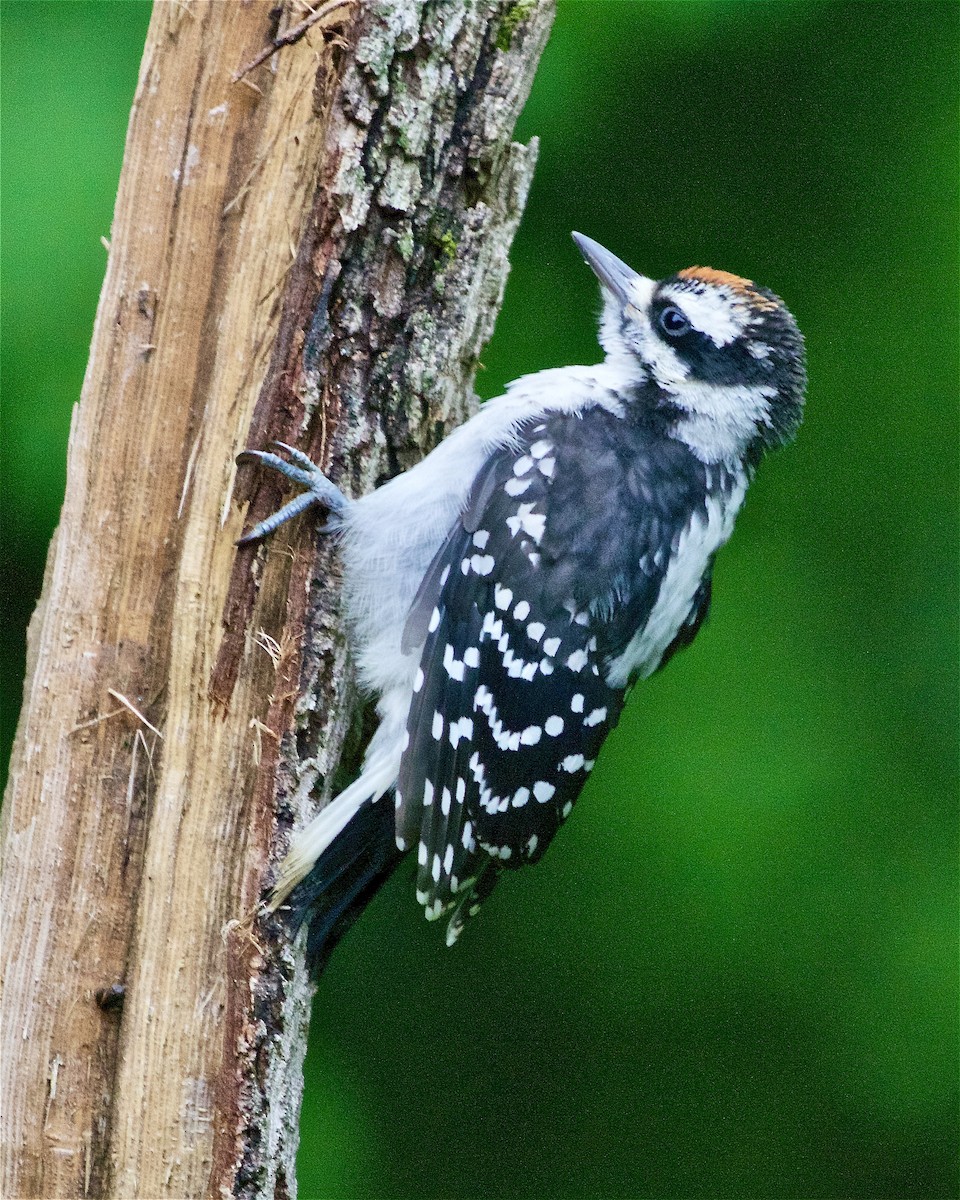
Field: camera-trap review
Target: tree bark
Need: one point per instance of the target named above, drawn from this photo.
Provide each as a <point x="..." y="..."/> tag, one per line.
<point x="314" y="251"/>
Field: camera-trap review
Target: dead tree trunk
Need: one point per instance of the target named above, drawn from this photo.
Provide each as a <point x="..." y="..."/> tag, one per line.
<point x="314" y="251"/>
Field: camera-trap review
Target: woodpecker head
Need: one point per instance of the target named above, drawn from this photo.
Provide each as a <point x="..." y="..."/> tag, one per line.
<point x="725" y="355"/>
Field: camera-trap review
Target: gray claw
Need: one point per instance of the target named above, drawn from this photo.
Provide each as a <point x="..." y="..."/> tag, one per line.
<point x="298" y="456"/>
<point x="319" y="491"/>
<point x="307" y="478"/>
<point x="290" y="510"/>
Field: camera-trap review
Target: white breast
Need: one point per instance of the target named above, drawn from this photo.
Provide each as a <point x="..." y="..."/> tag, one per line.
<point x="702" y="538"/>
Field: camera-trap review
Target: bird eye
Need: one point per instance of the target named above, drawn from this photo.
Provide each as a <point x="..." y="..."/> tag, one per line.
<point x="672" y="322"/>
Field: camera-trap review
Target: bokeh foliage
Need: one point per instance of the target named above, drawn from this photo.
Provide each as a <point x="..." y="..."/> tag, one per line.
<point x="734" y="974"/>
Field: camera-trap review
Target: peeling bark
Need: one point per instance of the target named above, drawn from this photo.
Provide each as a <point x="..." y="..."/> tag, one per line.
<point x="317" y="258"/>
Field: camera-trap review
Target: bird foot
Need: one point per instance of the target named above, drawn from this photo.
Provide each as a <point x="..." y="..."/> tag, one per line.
<point x="301" y="469"/>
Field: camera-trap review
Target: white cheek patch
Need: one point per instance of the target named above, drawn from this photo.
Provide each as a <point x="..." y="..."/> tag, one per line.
<point x="715" y="312"/>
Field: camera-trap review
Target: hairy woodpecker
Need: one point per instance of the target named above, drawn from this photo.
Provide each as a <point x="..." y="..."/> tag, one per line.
<point x="504" y="593"/>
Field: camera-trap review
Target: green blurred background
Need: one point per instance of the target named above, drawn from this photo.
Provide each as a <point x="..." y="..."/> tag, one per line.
<point x="734" y="975"/>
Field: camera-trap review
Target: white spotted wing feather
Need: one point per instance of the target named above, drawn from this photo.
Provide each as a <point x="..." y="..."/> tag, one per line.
<point x="509" y="707"/>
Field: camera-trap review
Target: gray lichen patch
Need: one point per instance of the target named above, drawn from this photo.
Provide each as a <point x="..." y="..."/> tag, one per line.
<point x="401" y="187"/>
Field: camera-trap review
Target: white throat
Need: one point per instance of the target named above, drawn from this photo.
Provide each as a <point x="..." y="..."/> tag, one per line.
<point x="720" y="420"/>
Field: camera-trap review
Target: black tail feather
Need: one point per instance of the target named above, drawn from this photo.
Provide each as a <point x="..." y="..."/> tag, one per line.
<point x="344" y="879"/>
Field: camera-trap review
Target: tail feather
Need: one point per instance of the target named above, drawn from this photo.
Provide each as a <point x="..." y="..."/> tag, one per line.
<point x="344" y="879"/>
<point x="311" y="844"/>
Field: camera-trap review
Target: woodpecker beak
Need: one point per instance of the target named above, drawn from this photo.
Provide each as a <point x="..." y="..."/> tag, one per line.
<point x="613" y="273"/>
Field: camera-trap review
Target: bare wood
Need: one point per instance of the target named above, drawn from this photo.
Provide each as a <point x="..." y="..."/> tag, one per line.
<point x="289" y="37"/>
<point x="318" y="257"/>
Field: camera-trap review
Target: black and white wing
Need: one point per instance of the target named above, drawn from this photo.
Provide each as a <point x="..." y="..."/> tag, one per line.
<point x="535" y="590"/>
